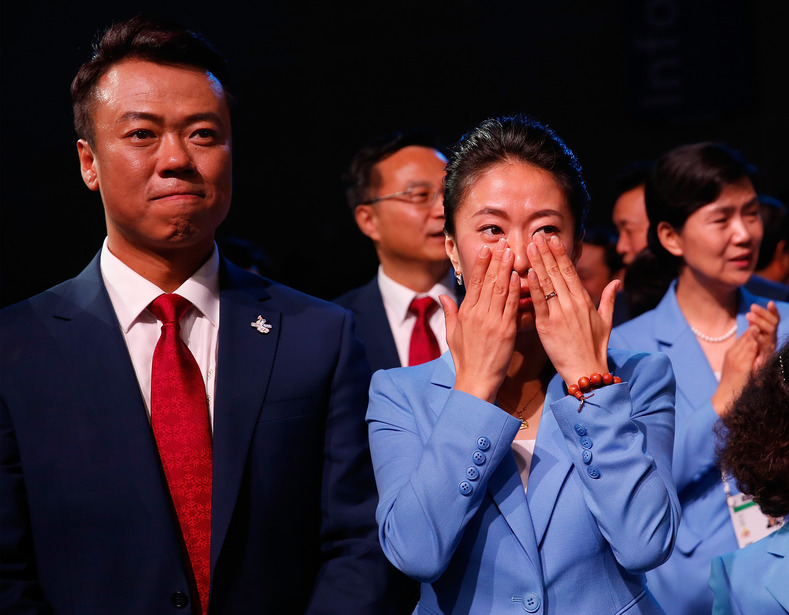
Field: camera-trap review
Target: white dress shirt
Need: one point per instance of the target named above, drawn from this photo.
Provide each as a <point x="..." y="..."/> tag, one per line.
<point x="130" y="294"/>
<point x="397" y="298"/>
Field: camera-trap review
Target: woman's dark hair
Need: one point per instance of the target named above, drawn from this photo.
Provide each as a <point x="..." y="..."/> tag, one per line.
<point x="513" y="139"/>
<point x="754" y="437"/>
<point x="684" y="180"/>
<point x="148" y="38"/>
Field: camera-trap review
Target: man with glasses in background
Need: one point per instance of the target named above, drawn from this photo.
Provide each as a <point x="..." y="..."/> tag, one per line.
<point x="395" y="190"/>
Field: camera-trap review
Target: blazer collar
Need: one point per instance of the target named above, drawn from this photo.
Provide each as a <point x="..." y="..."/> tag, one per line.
<point x="549" y="469"/>
<point x="776" y="577"/>
<point x="244" y="365"/>
<point x="678" y="342"/>
<point x="84" y="324"/>
<point x="550" y="464"/>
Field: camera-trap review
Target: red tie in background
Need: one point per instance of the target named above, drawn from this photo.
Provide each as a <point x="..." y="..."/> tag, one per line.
<point x="179" y="416"/>
<point x="424" y="345"/>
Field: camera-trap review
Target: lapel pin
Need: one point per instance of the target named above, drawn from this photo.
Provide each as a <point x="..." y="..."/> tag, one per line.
<point x="261" y="325"/>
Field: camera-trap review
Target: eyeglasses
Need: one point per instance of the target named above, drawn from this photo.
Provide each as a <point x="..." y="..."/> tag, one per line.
<point x="418" y="195"/>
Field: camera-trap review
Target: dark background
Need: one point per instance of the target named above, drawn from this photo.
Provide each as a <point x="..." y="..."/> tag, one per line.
<point x="620" y="81"/>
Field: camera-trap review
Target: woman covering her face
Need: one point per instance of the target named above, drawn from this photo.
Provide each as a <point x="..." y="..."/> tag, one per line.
<point x="705" y="230"/>
<point x="506" y="485"/>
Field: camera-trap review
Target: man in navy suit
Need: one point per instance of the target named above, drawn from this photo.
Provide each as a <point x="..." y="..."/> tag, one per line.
<point x="89" y="524"/>
<point x="395" y="190"/>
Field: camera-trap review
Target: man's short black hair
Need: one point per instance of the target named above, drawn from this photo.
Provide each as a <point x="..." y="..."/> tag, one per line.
<point x="360" y="179"/>
<point x="144" y="37"/>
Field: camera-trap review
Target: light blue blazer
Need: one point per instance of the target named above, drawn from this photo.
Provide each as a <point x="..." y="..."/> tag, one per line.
<point x="601" y="506"/>
<point x="681" y="584"/>
<point x="753" y="580"/>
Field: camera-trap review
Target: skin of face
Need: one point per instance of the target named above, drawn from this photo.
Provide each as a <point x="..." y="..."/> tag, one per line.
<point x="719" y="242"/>
<point x="515" y="201"/>
<point x="407" y="234"/>
<point x="632" y="223"/>
<point x="593" y="271"/>
<point x="161" y="158"/>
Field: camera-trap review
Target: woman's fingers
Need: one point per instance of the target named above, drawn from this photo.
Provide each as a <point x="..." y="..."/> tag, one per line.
<point x="476" y="280"/>
<point x="607" y="301"/>
<point x="450" y="314"/>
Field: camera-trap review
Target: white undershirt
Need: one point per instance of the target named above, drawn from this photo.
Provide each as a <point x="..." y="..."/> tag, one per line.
<point x="397" y="298"/>
<point x="523" y="451"/>
<point x="130" y="294"/>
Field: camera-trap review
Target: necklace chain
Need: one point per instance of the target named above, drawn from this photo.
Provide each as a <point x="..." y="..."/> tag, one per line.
<point x="524" y="422"/>
<point x="721" y="338"/>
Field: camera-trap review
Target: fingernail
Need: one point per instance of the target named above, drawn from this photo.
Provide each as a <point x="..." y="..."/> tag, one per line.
<point x="539" y="239"/>
<point x="555" y="241"/>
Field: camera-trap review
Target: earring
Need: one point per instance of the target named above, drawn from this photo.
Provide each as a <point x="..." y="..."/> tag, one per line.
<point x="459" y="278"/>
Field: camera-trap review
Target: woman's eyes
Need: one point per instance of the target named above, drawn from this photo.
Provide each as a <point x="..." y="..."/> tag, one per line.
<point x="492" y="229"/>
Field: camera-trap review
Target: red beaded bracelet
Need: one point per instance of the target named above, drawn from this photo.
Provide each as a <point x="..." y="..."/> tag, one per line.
<point x="595" y="381"/>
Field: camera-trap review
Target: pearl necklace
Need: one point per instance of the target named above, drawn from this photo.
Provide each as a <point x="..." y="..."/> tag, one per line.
<point x="721" y="338"/>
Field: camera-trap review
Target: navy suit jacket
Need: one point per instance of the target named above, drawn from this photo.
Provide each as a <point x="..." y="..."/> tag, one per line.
<point x="87" y="524"/>
<point x="372" y="324"/>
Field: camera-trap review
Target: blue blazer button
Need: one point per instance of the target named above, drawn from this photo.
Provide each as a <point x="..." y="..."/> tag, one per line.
<point x="593" y="472"/>
<point x="472" y="473"/>
<point x="531" y="602"/>
<point x="580" y="429"/>
<point x="586" y="442"/>
<point x="483" y="443"/>
<point x="465" y="488"/>
<point x="586" y="455"/>
<point x="478" y="457"/>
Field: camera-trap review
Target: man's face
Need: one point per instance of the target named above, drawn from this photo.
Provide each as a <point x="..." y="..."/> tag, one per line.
<point x="403" y="231"/>
<point x="593" y="271"/>
<point x="630" y="219"/>
<point x="161" y="157"/>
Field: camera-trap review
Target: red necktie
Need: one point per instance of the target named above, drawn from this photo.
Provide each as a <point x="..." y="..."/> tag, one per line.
<point x="424" y="345"/>
<point x="179" y="416"/>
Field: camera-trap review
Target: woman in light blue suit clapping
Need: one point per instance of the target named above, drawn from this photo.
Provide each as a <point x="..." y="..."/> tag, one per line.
<point x="705" y="232"/>
<point x="509" y="482"/>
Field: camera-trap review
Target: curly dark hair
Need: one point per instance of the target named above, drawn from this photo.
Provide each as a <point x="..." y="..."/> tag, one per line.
<point x="754" y="437"/>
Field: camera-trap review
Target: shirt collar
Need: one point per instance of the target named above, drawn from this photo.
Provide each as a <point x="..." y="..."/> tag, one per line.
<point x="398" y="297"/>
<point x="131" y="293"/>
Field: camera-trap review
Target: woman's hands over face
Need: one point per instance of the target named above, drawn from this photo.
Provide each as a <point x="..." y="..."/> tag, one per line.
<point x="573" y="333"/>
<point x="481" y="333"/>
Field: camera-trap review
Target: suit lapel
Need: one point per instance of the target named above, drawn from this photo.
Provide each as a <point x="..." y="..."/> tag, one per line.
<point x="775" y="580"/>
<point x="504" y="485"/>
<point x="506" y="489"/>
<point x="246" y="357"/>
<point x="84" y="322"/>
<point x="549" y="469"/>
<point x="372" y="324"/>
<point x="679" y="343"/>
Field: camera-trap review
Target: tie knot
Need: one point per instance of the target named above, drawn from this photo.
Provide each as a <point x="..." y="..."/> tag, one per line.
<point x="423" y="307"/>
<point x="169" y="307"/>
